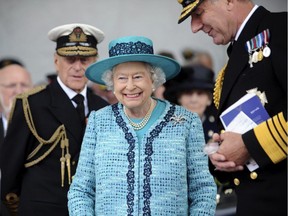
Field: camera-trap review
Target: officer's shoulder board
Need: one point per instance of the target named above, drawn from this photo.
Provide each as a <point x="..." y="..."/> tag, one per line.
<point x="31" y="92"/>
<point x="24" y="96"/>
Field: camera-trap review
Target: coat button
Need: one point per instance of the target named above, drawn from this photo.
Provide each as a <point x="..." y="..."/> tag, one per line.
<point x="236" y="181"/>
<point x="73" y="163"/>
<point x="253" y="175"/>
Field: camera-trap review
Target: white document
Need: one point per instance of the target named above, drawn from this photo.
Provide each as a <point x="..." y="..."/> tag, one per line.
<point x="243" y="116"/>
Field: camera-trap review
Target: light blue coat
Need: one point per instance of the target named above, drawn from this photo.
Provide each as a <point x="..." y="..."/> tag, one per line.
<point x="166" y="175"/>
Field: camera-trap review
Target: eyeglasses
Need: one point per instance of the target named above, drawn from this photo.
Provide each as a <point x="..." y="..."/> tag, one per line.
<point x="15" y="85"/>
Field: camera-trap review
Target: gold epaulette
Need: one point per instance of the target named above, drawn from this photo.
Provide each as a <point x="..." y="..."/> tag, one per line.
<point x="32" y="91"/>
<point x="58" y="137"/>
<point x="25" y="95"/>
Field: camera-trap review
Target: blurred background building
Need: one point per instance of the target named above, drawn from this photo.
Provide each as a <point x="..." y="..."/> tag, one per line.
<point x="24" y="26"/>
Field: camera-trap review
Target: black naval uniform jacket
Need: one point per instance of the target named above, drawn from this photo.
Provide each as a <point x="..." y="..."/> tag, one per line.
<point x="1" y="131"/>
<point x="264" y="191"/>
<point x="1" y="141"/>
<point x="39" y="186"/>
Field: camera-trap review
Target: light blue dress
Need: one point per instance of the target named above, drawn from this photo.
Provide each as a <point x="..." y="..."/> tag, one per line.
<point x="165" y="173"/>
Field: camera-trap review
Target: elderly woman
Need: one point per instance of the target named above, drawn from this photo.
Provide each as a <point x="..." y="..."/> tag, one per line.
<point x="141" y="156"/>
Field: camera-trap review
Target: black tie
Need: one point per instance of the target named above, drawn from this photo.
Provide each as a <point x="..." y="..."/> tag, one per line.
<point x="79" y="100"/>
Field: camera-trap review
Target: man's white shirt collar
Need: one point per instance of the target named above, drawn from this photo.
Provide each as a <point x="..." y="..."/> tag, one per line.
<point x="245" y="21"/>
<point x="72" y="94"/>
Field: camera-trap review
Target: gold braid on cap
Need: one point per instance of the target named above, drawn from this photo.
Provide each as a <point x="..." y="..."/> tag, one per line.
<point x="218" y="86"/>
<point x="59" y="136"/>
<point x="188" y="8"/>
<point x="77" y="50"/>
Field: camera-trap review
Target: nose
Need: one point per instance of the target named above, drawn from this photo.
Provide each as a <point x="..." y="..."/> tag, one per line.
<point x="78" y="65"/>
<point x="130" y="84"/>
<point x="19" y="89"/>
<point x="194" y="97"/>
<point x="196" y="24"/>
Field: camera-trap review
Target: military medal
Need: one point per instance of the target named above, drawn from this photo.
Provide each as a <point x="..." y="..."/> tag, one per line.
<point x="250" y="60"/>
<point x="249" y="49"/>
<point x="255" y="57"/>
<point x="260" y="55"/>
<point x="257" y="47"/>
<point x="266" y="51"/>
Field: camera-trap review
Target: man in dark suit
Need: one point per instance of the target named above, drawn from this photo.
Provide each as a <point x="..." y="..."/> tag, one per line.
<point x="257" y="64"/>
<point x="41" y="149"/>
<point x="14" y="79"/>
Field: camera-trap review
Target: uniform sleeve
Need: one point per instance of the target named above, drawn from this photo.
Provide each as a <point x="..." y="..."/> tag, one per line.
<point x="270" y="141"/>
<point x="202" y="188"/>
<point x="81" y="195"/>
<point x="13" y="156"/>
<point x="267" y="142"/>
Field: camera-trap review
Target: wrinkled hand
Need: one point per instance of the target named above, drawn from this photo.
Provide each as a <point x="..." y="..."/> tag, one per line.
<point x="232" y="153"/>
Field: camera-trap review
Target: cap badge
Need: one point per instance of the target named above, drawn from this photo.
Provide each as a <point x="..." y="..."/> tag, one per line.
<point x="77" y="35"/>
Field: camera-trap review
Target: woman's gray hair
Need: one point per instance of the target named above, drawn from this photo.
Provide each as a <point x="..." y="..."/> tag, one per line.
<point x="157" y="75"/>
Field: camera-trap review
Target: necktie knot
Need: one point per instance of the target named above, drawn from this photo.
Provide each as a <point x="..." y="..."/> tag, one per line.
<point x="78" y="99"/>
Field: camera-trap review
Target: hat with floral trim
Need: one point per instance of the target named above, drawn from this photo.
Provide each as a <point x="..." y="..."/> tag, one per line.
<point x="131" y="49"/>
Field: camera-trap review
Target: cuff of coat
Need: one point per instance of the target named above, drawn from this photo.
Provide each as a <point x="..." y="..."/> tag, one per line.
<point x="267" y="142"/>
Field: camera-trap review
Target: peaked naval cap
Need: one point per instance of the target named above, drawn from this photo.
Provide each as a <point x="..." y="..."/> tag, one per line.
<point x="188" y="7"/>
<point x="76" y="39"/>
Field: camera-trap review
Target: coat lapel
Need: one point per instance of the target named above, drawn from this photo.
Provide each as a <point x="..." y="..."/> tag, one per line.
<point x="63" y="110"/>
<point x="239" y="57"/>
<point x="1" y="132"/>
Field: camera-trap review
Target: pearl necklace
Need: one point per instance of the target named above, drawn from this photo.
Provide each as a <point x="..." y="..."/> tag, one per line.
<point x="142" y="124"/>
<point x="218" y="87"/>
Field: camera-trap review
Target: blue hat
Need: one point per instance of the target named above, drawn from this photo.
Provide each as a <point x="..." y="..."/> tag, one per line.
<point x="131" y="49"/>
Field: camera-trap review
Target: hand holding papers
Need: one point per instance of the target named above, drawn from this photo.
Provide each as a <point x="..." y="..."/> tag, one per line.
<point x="243" y="116"/>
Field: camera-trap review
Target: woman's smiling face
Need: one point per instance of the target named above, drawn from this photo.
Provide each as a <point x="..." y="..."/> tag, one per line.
<point x="133" y="85"/>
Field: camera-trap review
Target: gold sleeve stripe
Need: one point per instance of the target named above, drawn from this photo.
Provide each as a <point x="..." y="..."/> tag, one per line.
<point x="272" y="136"/>
<point x="278" y="135"/>
<point x="283" y="124"/>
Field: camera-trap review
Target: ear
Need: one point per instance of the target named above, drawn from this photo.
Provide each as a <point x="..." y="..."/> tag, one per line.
<point x="56" y="61"/>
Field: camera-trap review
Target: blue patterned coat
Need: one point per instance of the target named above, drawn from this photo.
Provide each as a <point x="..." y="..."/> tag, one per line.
<point x="166" y="175"/>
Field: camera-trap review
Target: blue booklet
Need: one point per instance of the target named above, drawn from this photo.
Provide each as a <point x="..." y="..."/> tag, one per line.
<point x="245" y="114"/>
